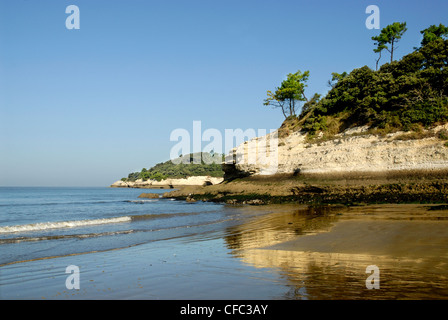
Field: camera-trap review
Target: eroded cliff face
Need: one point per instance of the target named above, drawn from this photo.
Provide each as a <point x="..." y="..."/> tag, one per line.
<point x="168" y="183"/>
<point x="349" y="152"/>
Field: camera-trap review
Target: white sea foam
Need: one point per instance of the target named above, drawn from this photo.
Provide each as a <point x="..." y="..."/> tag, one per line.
<point x="61" y="224"/>
<point x="142" y="201"/>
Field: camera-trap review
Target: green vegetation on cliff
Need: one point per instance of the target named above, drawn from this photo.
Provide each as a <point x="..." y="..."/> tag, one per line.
<point x="409" y="94"/>
<point x="194" y="164"/>
<point x="403" y="94"/>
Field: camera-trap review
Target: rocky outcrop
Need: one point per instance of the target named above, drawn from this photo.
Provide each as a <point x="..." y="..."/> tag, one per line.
<point x="168" y="183"/>
<point x="149" y="195"/>
<point x="351" y="151"/>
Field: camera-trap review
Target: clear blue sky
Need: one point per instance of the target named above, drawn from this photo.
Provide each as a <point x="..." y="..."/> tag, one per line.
<point x="86" y="107"/>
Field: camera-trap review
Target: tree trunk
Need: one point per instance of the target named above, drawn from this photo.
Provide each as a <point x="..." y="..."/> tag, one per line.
<point x="303" y="95"/>
<point x="377" y="61"/>
<point x="283" y="110"/>
<point x="392" y="50"/>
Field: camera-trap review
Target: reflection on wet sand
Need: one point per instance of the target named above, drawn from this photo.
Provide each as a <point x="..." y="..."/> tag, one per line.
<point x="283" y="224"/>
<point x="323" y="253"/>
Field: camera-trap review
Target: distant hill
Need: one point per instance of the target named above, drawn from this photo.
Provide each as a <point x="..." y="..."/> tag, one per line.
<point x="190" y="165"/>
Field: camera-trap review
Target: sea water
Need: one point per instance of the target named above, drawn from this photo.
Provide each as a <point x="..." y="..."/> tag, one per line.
<point x="125" y="247"/>
<point x="41" y="222"/>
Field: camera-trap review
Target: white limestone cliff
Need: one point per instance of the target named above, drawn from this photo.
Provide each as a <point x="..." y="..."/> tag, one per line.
<point x="167" y="183"/>
<point x="351" y="151"/>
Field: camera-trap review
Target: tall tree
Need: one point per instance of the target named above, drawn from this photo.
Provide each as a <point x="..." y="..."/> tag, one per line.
<point x="388" y="38"/>
<point x="434" y="32"/>
<point x="290" y="93"/>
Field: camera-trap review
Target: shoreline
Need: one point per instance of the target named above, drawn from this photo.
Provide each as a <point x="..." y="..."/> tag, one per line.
<point x="356" y="188"/>
<point x="285" y="252"/>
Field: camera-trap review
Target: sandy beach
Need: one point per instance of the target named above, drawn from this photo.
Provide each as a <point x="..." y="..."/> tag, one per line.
<point x="406" y="242"/>
<point x="282" y="252"/>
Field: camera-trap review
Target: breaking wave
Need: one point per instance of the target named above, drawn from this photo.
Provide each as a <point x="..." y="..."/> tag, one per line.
<point x="142" y="201"/>
<point x="85" y="223"/>
<point x="61" y="224"/>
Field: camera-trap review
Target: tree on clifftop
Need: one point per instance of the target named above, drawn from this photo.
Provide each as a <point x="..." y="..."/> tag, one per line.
<point x="390" y="35"/>
<point x="434" y="32"/>
<point x="290" y="93"/>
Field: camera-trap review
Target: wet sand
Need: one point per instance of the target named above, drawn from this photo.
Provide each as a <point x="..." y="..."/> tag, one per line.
<point x="408" y="244"/>
<point x="401" y="231"/>
<point x="282" y="252"/>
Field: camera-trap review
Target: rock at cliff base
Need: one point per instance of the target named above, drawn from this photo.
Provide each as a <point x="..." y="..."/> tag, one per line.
<point x="149" y="195"/>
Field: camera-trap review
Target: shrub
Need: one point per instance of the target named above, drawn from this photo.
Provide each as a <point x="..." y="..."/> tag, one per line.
<point x="443" y="134"/>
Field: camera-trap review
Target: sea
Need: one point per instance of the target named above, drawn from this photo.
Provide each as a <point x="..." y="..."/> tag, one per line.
<point x="85" y="243"/>
<point x="42" y="222"/>
<point x="182" y="250"/>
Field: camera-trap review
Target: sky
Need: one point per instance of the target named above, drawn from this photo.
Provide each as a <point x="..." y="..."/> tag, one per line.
<point x="87" y="106"/>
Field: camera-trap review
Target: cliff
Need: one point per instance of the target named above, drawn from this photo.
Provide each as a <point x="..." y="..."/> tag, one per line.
<point x="168" y="183"/>
<point x="352" y="151"/>
<point x="354" y="167"/>
<point x="346" y="147"/>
